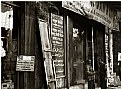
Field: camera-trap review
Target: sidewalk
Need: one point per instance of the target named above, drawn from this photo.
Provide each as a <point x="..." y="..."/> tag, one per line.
<point x="97" y="88"/>
<point x="118" y="87"/>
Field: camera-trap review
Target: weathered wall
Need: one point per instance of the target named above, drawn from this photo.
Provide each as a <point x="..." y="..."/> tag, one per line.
<point x="116" y="49"/>
<point x="30" y="45"/>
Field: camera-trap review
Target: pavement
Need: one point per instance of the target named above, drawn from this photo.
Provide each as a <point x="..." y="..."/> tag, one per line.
<point x="97" y="88"/>
<point x="118" y="87"/>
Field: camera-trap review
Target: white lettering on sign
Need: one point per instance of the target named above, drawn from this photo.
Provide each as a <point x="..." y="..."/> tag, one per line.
<point x="94" y="10"/>
<point x="25" y="63"/>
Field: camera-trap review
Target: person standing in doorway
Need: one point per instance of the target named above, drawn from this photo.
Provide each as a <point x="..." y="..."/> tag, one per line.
<point x="90" y="74"/>
<point x="102" y="72"/>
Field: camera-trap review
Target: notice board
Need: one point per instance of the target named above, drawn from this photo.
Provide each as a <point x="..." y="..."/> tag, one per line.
<point x="25" y="63"/>
<point x="57" y="35"/>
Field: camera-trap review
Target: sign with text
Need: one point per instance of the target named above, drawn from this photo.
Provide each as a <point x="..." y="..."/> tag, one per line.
<point x="94" y="10"/>
<point x="25" y="63"/>
<point x="57" y="35"/>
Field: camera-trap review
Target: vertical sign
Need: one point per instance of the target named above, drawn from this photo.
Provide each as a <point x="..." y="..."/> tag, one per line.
<point x="109" y="56"/>
<point x="111" y="50"/>
<point x="57" y="36"/>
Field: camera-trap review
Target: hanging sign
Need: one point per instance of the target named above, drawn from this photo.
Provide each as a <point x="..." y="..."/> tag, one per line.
<point x="25" y="63"/>
<point x="94" y="10"/>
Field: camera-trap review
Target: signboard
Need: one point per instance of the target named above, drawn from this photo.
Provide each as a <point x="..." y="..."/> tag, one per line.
<point x="107" y="58"/>
<point x="57" y="37"/>
<point x="94" y="10"/>
<point x="57" y="43"/>
<point x="25" y="63"/>
<point x="119" y="56"/>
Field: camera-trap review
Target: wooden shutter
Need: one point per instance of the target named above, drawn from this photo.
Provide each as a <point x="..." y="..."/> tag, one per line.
<point x="46" y="48"/>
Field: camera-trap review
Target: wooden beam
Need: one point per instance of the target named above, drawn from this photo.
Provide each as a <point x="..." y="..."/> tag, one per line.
<point x="9" y="3"/>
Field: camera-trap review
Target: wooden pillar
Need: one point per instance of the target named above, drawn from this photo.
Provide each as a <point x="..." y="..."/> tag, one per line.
<point x="65" y="47"/>
<point x="92" y="46"/>
<point x="69" y="39"/>
<point x="27" y="42"/>
<point x="21" y="38"/>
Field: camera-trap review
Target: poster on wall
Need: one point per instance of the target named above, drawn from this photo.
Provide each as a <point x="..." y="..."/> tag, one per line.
<point x="119" y="56"/>
<point x="25" y="63"/>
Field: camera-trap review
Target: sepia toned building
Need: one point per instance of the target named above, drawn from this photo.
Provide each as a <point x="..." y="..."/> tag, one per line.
<point x="47" y="44"/>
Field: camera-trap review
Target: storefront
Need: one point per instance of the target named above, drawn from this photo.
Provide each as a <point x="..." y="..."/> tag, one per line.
<point x="101" y="21"/>
<point x="19" y="40"/>
<point x="62" y="37"/>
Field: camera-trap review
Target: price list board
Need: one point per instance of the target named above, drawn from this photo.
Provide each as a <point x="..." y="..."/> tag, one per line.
<point x="57" y="36"/>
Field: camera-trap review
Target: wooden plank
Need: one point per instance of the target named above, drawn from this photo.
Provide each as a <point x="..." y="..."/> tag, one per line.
<point x="69" y="35"/>
<point x="20" y="82"/>
<point x="47" y="55"/>
<point x="65" y="47"/>
<point x="32" y="44"/>
<point x="92" y="47"/>
<point x="27" y="25"/>
<point x="40" y="79"/>
<point x="27" y="44"/>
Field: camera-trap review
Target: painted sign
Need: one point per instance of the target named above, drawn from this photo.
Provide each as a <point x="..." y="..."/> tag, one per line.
<point x="25" y="63"/>
<point x="57" y="43"/>
<point x="107" y="58"/>
<point x="57" y="37"/>
<point x="94" y="10"/>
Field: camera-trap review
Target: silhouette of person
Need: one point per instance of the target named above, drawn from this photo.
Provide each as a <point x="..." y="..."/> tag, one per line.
<point x="90" y="74"/>
<point x="102" y="71"/>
